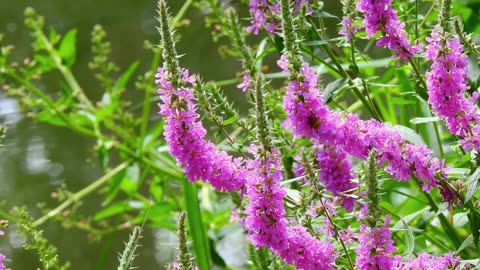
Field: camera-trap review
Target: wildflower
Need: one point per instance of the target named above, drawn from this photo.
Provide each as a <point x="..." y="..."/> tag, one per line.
<point x="348" y="30"/>
<point x="261" y="18"/>
<point x="185" y="137"/>
<point x="336" y="173"/>
<point x="264" y="215"/>
<point x="263" y="15"/>
<point x="245" y="83"/>
<point x="376" y="248"/>
<point x="447" y="84"/>
<point x="266" y="223"/>
<point x="308" y="116"/>
<point x="428" y="262"/>
<point x="381" y="17"/>
<point x="346" y="236"/>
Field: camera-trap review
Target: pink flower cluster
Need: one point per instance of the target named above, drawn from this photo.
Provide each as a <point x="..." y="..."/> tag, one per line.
<point x="348" y="30"/>
<point x="428" y="262"/>
<point x="308" y="116"/>
<point x="185" y="136"/>
<point x="336" y="174"/>
<point x="261" y="12"/>
<point x="376" y="248"/>
<point x="381" y="17"/>
<point x="265" y="215"/>
<point x="447" y="85"/>
<point x="263" y="15"/>
<point x="266" y="223"/>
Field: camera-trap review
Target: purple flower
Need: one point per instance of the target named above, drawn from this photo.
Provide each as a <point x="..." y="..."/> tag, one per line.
<point x="447" y="85"/>
<point x="428" y="262"/>
<point x="376" y="248"/>
<point x="261" y="12"/>
<point x="308" y="116"/>
<point x="348" y="30"/>
<point x="185" y="136"/>
<point x="265" y="214"/>
<point x="381" y="17"/>
<point x="245" y="83"/>
<point x="266" y="223"/>
<point x="336" y="174"/>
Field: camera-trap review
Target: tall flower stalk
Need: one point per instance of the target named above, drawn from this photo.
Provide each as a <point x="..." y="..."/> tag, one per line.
<point x="265" y="218"/>
<point x="309" y="116"/>
<point x="381" y="17"/>
<point x="447" y="83"/>
<point x="183" y="132"/>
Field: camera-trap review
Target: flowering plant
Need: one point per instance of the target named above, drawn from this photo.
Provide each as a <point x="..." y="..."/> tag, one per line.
<point x="307" y="147"/>
<point x="355" y="145"/>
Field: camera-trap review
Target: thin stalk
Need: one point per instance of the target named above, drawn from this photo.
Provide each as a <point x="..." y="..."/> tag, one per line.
<point x="350" y="262"/>
<point x="147" y="99"/>
<point x="82" y="193"/>
<point x="200" y="238"/>
<point x="66" y="72"/>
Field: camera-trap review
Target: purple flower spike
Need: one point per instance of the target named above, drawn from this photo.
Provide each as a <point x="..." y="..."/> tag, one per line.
<point x="308" y="116"/>
<point x="447" y="84"/>
<point x="428" y="262"/>
<point x="266" y="223"/>
<point x="185" y="136"/>
<point x="376" y="248"/>
<point x="381" y="17"/>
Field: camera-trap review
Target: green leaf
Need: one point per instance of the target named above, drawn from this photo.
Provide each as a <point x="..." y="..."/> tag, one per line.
<point x="46" y="62"/>
<point x="474" y="226"/>
<point x="421" y="120"/>
<point x="460" y="219"/>
<point x="47" y="116"/>
<point x="473" y="184"/>
<point x="125" y="77"/>
<point x="467" y="242"/>
<point x="67" y="48"/>
<point x="409" y="240"/>
<point x="200" y="238"/>
<point x="332" y="89"/>
<point x="115" y="209"/>
<point x="407" y="133"/>
<point x="230" y="120"/>
<point x="315" y="43"/>
<point x="130" y="183"/>
<point x="323" y="14"/>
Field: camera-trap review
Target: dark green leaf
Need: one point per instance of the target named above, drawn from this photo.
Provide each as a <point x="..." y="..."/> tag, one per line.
<point x="332" y="89"/>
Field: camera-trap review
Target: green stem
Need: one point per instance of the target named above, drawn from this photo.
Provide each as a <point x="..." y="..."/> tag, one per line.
<point x="148" y="96"/>
<point x="82" y="193"/>
<point x="200" y="238"/>
<point x="66" y="72"/>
